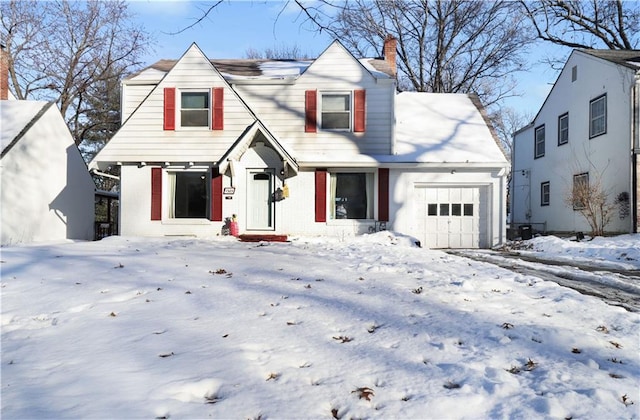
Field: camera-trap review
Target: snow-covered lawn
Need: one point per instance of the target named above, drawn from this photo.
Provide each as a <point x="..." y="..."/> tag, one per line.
<point x="365" y="328"/>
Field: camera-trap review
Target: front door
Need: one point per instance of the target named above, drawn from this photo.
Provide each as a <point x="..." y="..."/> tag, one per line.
<point x="260" y="205"/>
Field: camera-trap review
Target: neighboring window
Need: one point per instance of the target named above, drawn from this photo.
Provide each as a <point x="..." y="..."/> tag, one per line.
<point x="194" y="109"/>
<point x="574" y="73"/>
<point x="432" y="210"/>
<point x="336" y="111"/>
<point x="189" y="195"/>
<point x="580" y="191"/>
<point x="544" y="193"/>
<point x="352" y="195"/>
<point x="598" y="116"/>
<point x="539" y="141"/>
<point x="563" y="129"/>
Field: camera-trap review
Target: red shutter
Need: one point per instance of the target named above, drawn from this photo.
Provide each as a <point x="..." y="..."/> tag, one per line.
<point x="383" y="194"/>
<point x="169" y="108"/>
<point x="321" y="195"/>
<point x="310" y="111"/>
<point x="359" y="116"/>
<point x="217" y="117"/>
<point x="216" y="197"/>
<point x="156" y="194"/>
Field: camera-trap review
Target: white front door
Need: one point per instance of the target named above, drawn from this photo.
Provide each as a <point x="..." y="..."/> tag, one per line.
<point x="260" y="205"/>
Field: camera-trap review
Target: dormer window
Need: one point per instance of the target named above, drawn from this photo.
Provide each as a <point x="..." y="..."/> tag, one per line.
<point x="336" y="111"/>
<point x="194" y="109"/>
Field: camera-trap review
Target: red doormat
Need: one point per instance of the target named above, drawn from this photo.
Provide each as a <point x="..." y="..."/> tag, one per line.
<point x="259" y="238"/>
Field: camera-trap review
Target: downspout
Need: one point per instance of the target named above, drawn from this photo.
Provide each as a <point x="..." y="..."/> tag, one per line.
<point x="635" y="149"/>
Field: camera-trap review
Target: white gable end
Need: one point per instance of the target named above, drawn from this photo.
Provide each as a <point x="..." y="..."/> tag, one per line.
<point x="143" y="137"/>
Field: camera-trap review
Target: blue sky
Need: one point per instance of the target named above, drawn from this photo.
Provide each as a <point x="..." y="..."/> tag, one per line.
<point x="236" y="26"/>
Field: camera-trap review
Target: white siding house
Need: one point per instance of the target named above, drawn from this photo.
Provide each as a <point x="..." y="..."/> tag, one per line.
<point x="317" y="147"/>
<point x="46" y="193"/>
<point x="586" y="130"/>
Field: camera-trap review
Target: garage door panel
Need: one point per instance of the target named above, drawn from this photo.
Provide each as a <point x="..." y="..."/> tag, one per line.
<point x="453" y="217"/>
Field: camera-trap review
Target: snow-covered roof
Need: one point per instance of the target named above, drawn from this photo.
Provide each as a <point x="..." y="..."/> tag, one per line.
<point x="239" y="69"/>
<point x="442" y="128"/>
<point x="15" y="116"/>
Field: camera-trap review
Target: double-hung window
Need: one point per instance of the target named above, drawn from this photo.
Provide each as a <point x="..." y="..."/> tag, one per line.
<point x="545" y="193"/>
<point x="598" y="116"/>
<point x="352" y="195"/>
<point x="336" y="111"/>
<point x="580" y="192"/>
<point x="539" y="142"/>
<point x="194" y="109"/>
<point x="189" y="195"/>
<point x="563" y="129"/>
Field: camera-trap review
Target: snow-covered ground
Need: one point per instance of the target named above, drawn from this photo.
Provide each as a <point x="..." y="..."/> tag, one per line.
<point x="364" y="328"/>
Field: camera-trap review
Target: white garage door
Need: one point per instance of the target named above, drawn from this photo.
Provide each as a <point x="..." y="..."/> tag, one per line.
<point x="450" y="217"/>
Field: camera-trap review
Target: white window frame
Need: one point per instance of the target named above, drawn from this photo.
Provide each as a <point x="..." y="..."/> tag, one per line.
<point x="370" y="190"/>
<point x="539" y="141"/>
<point x="593" y="118"/>
<point x="179" y="109"/>
<point x="545" y="193"/>
<point x="321" y="110"/>
<point x="171" y="196"/>
<point x="562" y="130"/>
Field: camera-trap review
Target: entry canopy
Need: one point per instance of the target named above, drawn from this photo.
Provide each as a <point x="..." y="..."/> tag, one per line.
<point x="243" y="143"/>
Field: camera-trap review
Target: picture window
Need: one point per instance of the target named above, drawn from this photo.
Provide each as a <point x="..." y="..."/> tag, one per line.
<point x="352" y="195"/>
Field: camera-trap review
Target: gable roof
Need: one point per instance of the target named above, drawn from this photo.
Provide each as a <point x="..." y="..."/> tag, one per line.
<point x="16" y="118"/>
<point x="626" y="58"/>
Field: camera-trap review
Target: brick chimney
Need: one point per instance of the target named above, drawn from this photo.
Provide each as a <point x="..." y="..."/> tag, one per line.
<point x="389" y="52"/>
<point x="4" y="73"/>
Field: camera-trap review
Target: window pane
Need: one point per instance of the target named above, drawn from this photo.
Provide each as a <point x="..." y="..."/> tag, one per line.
<point x="456" y="209"/>
<point x="335" y="102"/>
<point x="432" y="210"/>
<point x="335" y="120"/>
<point x="563" y="129"/>
<point x="444" y="209"/>
<point x="468" y="209"/>
<point x="195" y="100"/>
<point x="598" y="116"/>
<point x="351" y="196"/>
<point x="190" y="195"/>
<point x="199" y="118"/>
<point x="539" y="141"/>
<point x="544" y="193"/>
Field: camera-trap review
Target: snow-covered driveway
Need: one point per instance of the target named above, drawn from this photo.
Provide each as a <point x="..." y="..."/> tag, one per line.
<point x="365" y="328"/>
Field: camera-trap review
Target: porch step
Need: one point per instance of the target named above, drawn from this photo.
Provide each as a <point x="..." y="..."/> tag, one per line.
<point x="261" y="237"/>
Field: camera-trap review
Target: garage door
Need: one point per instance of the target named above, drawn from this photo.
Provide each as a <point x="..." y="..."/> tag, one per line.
<point x="450" y="217"/>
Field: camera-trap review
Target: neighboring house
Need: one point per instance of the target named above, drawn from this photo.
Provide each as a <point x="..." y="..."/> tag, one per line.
<point x="587" y="131"/>
<point x="318" y="147"/>
<point x="46" y="194"/>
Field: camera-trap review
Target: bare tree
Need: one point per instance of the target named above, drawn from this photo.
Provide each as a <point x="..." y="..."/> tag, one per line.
<point x="443" y="46"/>
<point x="63" y="51"/>
<point x="589" y="197"/>
<point x="282" y="52"/>
<point x="506" y="122"/>
<point x="610" y="24"/>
